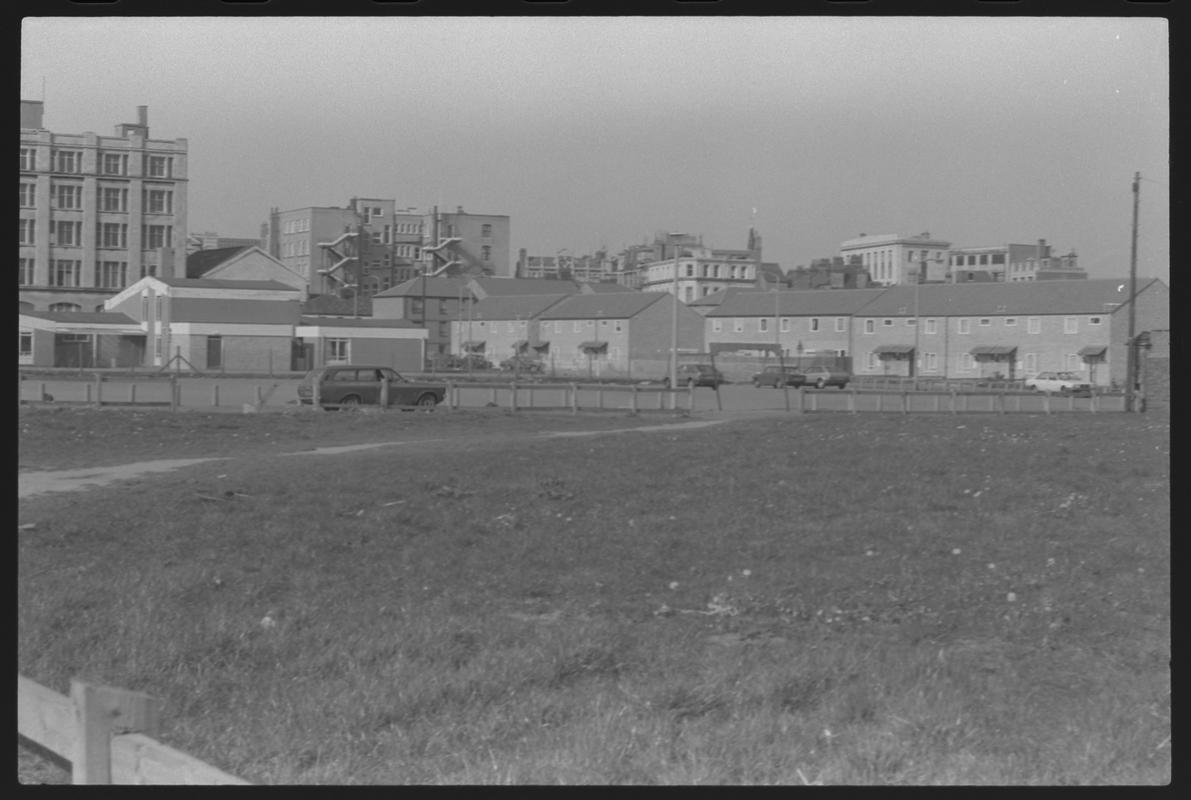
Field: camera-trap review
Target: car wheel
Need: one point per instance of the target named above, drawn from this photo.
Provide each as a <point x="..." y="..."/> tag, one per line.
<point x="756" y="384"/>
<point x="349" y="403"/>
<point x="427" y="401"/>
<point x="819" y="384"/>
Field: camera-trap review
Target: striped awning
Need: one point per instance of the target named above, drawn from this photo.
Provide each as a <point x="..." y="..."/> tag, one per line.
<point x="894" y="349"/>
<point x="994" y="350"/>
<point x="1093" y="351"/>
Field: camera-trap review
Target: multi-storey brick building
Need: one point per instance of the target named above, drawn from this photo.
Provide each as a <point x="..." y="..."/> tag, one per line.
<point x="97" y="213"/>
<point x="1011" y="263"/>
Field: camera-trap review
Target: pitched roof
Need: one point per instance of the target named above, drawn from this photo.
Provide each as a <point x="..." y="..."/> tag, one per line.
<point x="83" y="317"/>
<point x="621" y="305"/>
<point x="329" y="305"/>
<point x="1090" y="296"/>
<point x="353" y="322"/>
<point x="214" y="283"/>
<point x="799" y="303"/>
<point x="605" y="288"/>
<point x="202" y="261"/>
<point x="718" y="297"/>
<point x="489" y="287"/>
<point x="435" y="287"/>
<point x="514" y="306"/>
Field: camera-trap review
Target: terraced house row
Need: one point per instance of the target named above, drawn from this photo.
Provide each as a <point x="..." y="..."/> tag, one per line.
<point x="1007" y="330"/>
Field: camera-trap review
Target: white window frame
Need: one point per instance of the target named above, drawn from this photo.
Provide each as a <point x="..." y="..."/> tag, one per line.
<point x="984" y="322"/>
<point x="763" y="324"/>
<point x="1010" y="322"/>
<point x="28" y="232"/>
<point x="25" y="345"/>
<point x="717" y="326"/>
<point x="1031" y="362"/>
<point x="1034" y="325"/>
<point x="28" y="158"/>
<point x="932" y="362"/>
<point x="28" y="194"/>
<point x="1095" y="320"/>
<point x="870" y="326"/>
<point x="1070" y="324"/>
<point x="930" y="326"/>
<point x="339" y="344"/>
<point x="784" y="325"/>
<point x="738" y="325"/>
<point x="841" y="324"/>
<point x="963" y="326"/>
<point x="25" y="271"/>
<point x="813" y="324"/>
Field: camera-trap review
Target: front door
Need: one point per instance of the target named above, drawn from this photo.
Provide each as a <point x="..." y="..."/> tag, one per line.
<point x="214" y="352"/>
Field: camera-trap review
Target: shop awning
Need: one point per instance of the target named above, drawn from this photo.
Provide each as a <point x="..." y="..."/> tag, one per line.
<point x="542" y="346"/>
<point x="994" y="350"/>
<point x="520" y="344"/>
<point x="593" y="347"/>
<point x="474" y="345"/>
<point x="894" y="349"/>
<point x="1093" y="351"/>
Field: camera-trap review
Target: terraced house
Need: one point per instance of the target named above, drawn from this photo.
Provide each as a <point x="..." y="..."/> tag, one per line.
<point x="1006" y="330"/>
<point x="502" y="326"/>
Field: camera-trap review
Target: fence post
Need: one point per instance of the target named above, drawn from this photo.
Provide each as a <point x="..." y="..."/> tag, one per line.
<point x="87" y="392"/>
<point x="634" y="399"/>
<point x="384" y="394"/>
<point x="905" y="403"/>
<point x="1000" y="399"/>
<point x="98" y="390"/>
<point x="880" y="401"/>
<point x="450" y="396"/>
<point x="513" y="396"/>
<point x="101" y="712"/>
<point x="852" y="400"/>
<point x="494" y="394"/>
<point x="600" y="397"/>
<point x="173" y="392"/>
<point x="954" y="402"/>
<point x="215" y="395"/>
<point x="1092" y="402"/>
<point x="1046" y="402"/>
<point x="690" y="398"/>
<point x="260" y="398"/>
<point x="41" y="392"/>
<point x="531" y="395"/>
<point x="574" y="398"/>
<point x="938" y="403"/>
<point x="316" y="394"/>
<point x="132" y="394"/>
<point x="800" y="394"/>
<point x="270" y="363"/>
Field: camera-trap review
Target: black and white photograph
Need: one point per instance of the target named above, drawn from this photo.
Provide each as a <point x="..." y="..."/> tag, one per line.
<point x="669" y="399"/>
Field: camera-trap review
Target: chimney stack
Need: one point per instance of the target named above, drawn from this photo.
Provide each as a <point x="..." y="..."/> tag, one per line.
<point x="142" y="116"/>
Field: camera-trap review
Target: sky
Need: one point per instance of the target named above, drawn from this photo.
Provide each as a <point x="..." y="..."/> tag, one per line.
<point x="594" y="132"/>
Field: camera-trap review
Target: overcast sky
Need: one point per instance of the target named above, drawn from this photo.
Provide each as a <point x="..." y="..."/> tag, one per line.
<point x="592" y="132"/>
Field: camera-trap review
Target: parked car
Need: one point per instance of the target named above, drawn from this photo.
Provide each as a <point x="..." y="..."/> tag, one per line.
<point x="777" y="377"/>
<point x="350" y="385"/>
<point x="1061" y="382"/>
<point x="697" y="375"/>
<point x="522" y="364"/>
<point x="821" y="377"/>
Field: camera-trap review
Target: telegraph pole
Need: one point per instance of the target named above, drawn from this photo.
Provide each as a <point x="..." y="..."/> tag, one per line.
<point x="1131" y="344"/>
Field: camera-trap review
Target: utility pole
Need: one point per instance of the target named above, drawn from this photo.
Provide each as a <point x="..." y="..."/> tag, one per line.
<point x="1130" y="343"/>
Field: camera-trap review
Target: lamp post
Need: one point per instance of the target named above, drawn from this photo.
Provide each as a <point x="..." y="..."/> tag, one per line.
<point x="674" y="328"/>
<point x="922" y="262"/>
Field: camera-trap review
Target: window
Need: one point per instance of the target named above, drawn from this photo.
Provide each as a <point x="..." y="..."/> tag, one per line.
<point x="785" y="325"/>
<point x="68" y="196"/>
<point x="738" y="326"/>
<point x="25" y="349"/>
<point x="486" y="230"/>
<point x="27" y="232"/>
<point x="70" y="337"/>
<point x="870" y="326"/>
<point x="578" y="326"/>
<point x="911" y="321"/>
<point x="888" y="323"/>
<point x="68" y="161"/>
<point x="617" y="326"/>
<point x="1074" y="362"/>
<point x="763" y="324"/>
<point x="963" y="326"/>
<point x="25" y="271"/>
<point x="113" y="198"/>
<point x="157" y="236"/>
<point x="1010" y="322"/>
<point x="113" y="235"/>
<point x="157" y="166"/>
<point x="717" y="326"/>
<point x="159" y="201"/>
<point x="65" y="272"/>
<point x="111" y="274"/>
<point x="872" y="361"/>
<point x="485" y="253"/>
<point x="28" y="158"/>
<point x="338" y="350"/>
<point x="28" y="195"/>
<point x="932" y="362"/>
<point x="814" y="324"/>
<point x="1070" y="324"/>
<point x="985" y="322"/>
<point x="984" y="260"/>
<point x="929" y="326"/>
<point x="1034" y="325"/>
<point x="115" y="163"/>
<point x="967" y="362"/>
<point x="841" y="324"/>
<point x="1094" y="320"/>
<point x="1031" y="362"/>
<point x="67" y="233"/>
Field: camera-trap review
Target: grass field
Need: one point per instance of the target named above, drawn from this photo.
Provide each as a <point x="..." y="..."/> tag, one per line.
<point x="782" y="600"/>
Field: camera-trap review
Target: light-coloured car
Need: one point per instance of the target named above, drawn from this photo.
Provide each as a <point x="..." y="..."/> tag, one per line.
<point x="821" y="377"/>
<point x="1061" y="382"/>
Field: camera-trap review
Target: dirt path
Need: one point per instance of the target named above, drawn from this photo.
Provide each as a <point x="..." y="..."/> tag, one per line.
<point x="45" y="482"/>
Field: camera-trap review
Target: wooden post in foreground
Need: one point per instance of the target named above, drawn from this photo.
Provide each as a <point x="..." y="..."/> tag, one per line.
<point x="384" y="394"/>
<point x="102" y="712"/>
<point x="574" y="398"/>
<point x="173" y="391"/>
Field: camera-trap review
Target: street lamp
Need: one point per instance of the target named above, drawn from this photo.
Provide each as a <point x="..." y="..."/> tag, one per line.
<point x="922" y="262"/>
<point x="674" y="328"/>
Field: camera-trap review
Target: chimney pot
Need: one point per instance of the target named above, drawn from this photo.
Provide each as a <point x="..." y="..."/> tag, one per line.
<point x="142" y="115"/>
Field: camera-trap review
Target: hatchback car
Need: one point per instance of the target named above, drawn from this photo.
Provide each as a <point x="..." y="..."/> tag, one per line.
<point x="350" y="385"/>
<point x="1061" y="382"/>
<point x="697" y="375"/>
<point x="777" y="377"/>
<point x="821" y="377"/>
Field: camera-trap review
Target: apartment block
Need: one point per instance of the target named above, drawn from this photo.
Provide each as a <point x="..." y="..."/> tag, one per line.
<point x="892" y="258"/>
<point x="1011" y="263"/>
<point x="97" y="213"/>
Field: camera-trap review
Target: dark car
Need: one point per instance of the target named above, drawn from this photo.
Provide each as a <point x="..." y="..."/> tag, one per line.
<point x="821" y="377"/>
<point x="351" y="385"/>
<point x="522" y="364"/>
<point x="777" y="377"/>
<point x="697" y="375"/>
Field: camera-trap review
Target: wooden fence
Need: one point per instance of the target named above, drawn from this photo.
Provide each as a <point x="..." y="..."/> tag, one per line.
<point x="105" y="734"/>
